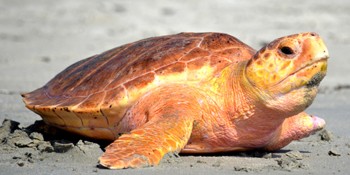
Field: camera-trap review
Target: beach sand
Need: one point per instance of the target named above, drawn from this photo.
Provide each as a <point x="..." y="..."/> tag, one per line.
<point x="40" y="38"/>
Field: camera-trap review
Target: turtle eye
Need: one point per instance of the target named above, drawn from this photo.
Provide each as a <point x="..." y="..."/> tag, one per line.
<point x="287" y="50"/>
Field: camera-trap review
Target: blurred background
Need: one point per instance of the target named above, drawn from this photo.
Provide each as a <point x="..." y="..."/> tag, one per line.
<point x="39" y="38"/>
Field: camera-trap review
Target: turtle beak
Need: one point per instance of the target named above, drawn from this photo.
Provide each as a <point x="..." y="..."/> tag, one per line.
<point x="323" y="54"/>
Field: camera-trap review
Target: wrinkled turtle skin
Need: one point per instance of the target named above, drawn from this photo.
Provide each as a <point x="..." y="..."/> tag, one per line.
<point x="189" y="92"/>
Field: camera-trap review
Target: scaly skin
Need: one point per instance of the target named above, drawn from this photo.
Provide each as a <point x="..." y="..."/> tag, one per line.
<point x="255" y="104"/>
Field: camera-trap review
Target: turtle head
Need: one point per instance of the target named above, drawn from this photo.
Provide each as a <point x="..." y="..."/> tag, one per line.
<point x="288" y="71"/>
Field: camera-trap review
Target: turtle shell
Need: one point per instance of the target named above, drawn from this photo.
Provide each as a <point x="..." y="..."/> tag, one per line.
<point x="91" y="96"/>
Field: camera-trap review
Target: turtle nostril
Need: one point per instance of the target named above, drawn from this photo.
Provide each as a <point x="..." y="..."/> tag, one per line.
<point x="287" y="50"/>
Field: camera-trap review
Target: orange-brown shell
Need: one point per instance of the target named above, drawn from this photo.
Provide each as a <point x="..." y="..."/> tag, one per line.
<point x="92" y="95"/>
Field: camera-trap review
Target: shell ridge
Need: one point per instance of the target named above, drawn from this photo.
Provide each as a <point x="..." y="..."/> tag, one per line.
<point x="76" y="66"/>
<point x="170" y="39"/>
<point x="102" y="64"/>
<point x="72" y="68"/>
<point x="188" y="52"/>
<point x="88" y="96"/>
<point x="200" y="42"/>
<point x="128" y="64"/>
<point x="43" y="102"/>
<point x="153" y="71"/>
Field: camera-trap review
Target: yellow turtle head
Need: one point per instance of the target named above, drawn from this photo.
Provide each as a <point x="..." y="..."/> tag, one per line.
<point x="288" y="71"/>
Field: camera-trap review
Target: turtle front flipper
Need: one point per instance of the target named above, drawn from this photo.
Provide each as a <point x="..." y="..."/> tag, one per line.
<point x="295" y="128"/>
<point x="168" y="130"/>
<point x="146" y="146"/>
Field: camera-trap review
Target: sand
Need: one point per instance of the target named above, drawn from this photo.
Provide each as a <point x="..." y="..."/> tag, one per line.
<point x="40" y="38"/>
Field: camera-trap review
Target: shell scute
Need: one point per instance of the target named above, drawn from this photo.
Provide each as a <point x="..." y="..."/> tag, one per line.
<point x="195" y="53"/>
<point x="117" y="94"/>
<point x="92" y="101"/>
<point x="178" y="67"/>
<point x="140" y="82"/>
<point x="220" y="41"/>
<point x="198" y="63"/>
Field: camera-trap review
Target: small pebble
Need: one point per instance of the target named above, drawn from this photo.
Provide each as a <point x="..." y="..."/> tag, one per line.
<point x="20" y="163"/>
<point x="36" y="136"/>
<point x="216" y="164"/>
<point x="325" y="135"/>
<point x="201" y="161"/>
<point x="295" y="155"/>
<point x="62" y="146"/>
<point x="16" y="157"/>
<point x="244" y="169"/>
<point x="30" y="160"/>
<point x="267" y="156"/>
<point x="333" y="153"/>
<point x="45" y="147"/>
<point x="45" y="59"/>
<point x="24" y="142"/>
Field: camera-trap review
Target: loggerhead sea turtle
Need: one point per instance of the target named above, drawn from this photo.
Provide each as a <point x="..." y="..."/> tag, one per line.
<point x="189" y="92"/>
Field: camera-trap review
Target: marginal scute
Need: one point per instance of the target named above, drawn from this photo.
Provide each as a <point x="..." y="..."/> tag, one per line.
<point x="70" y="118"/>
<point x="49" y="116"/>
<point x="93" y="119"/>
<point x="114" y="105"/>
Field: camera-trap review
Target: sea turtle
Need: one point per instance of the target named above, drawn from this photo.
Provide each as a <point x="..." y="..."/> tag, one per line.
<point x="188" y="92"/>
